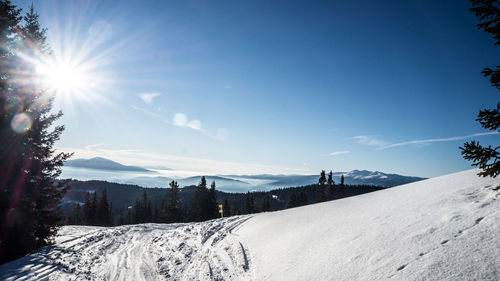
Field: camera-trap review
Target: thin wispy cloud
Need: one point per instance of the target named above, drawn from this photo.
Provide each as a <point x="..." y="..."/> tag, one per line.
<point x="335" y="153"/>
<point x="148" y="97"/>
<point x="91" y="146"/>
<point x="150" y="113"/>
<point x="370" y="141"/>
<point x="429" y="141"/>
<point x="383" y="145"/>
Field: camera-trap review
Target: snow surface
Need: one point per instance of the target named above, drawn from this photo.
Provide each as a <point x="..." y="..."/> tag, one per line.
<point x="196" y="251"/>
<point x="446" y="228"/>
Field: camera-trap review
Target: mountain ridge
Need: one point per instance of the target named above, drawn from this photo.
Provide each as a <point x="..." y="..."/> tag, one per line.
<point x="237" y="183"/>
<point x="100" y="163"/>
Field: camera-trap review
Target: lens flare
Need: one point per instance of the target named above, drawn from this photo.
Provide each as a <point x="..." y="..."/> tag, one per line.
<point x="14" y="104"/>
<point x="21" y="123"/>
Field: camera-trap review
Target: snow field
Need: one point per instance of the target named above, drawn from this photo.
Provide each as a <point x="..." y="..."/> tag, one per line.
<point x="445" y="228"/>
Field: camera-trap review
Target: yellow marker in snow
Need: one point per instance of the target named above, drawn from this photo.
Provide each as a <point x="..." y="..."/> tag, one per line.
<point x="221" y="211"/>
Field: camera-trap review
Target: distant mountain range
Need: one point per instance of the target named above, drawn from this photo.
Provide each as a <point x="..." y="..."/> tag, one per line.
<point x="240" y="183"/>
<point x="354" y="177"/>
<point x="243" y="183"/>
<point x="222" y="183"/>
<point x="99" y="163"/>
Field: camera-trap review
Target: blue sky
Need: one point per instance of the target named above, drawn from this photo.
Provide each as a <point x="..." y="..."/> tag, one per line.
<point x="253" y="87"/>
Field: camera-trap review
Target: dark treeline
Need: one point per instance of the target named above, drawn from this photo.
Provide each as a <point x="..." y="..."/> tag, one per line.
<point x="194" y="203"/>
<point x="94" y="211"/>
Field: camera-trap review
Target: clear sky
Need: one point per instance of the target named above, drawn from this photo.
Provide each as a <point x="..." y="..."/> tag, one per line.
<point x="273" y="86"/>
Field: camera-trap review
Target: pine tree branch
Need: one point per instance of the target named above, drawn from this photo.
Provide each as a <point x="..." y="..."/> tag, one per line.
<point x="490" y="118"/>
<point x="494" y="76"/>
<point x="485" y="158"/>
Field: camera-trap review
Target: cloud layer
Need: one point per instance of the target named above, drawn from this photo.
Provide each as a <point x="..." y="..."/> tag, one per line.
<point x="183" y="166"/>
<point x="370" y="141"/>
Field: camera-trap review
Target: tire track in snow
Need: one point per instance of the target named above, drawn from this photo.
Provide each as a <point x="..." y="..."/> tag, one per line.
<point x="220" y="254"/>
<point x="195" y="251"/>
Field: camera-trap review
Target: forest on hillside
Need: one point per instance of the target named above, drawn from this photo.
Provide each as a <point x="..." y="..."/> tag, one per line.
<point x="106" y="203"/>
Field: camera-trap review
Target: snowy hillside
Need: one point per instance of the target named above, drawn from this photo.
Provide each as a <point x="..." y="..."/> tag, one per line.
<point x="445" y="228"/>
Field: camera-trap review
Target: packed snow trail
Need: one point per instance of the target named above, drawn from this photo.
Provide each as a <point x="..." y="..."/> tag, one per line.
<point x="196" y="251"/>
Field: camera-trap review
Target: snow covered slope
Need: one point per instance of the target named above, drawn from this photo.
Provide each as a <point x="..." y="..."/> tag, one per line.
<point x="196" y="251"/>
<point x="446" y="228"/>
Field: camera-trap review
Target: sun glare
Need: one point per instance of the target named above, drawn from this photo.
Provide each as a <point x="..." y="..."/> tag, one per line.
<point x="77" y="70"/>
<point x="64" y="78"/>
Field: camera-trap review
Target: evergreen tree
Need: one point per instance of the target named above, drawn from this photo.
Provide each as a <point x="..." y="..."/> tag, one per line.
<point x="296" y="199"/>
<point x="110" y="215"/>
<point x="213" y="207"/>
<point x="342" y="186"/>
<point x="486" y="157"/>
<point x="86" y="209"/>
<point x="320" y="192"/>
<point x="234" y="211"/>
<point x="292" y="201"/>
<point x="143" y="212"/>
<point x="302" y="199"/>
<point x="77" y="217"/>
<point x="199" y="203"/>
<point x="135" y="212"/>
<point x="329" y="187"/>
<point x="172" y="209"/>
<point x="103" y="210"/>
<point x="226" y="208"/>
<point x="266" y="203"/>
<point x="249" y="207"/>
<point x="93" y="209"/>
<point x="29" y="192"/>
<point x="149" y="212"/>
<point x="121" y="219"/>
<point x="129" y="219"/>
<point x="156" y="214"/>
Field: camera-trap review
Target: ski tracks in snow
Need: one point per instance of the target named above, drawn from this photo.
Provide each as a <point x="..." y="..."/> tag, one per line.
<point x="196" y="251"/>
<point x="212" y="252"/>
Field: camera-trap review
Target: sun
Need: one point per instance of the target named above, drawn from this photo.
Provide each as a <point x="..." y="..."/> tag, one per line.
<point x="64" y="78"/>
<point x="78" y="72"/>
